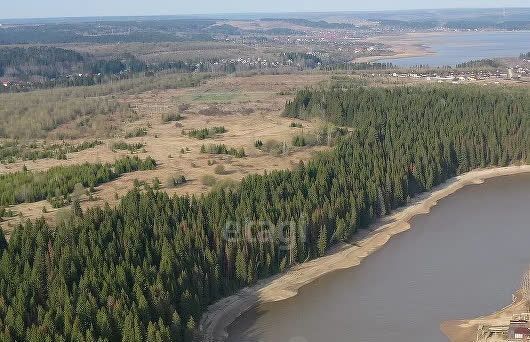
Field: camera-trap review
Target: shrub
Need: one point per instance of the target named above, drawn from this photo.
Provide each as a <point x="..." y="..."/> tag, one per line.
<point x="208" y="180"/>
<point x="205" y="133"/>
<point x="222" y="149"/>
<point x="219" y="170"/>
<point x="122" y="145"/>
<point x="168" y="117"/>
<point x="138" y="132"/>
<point x="175" y="180"/>
<point x="299" y="141"/>
<point x="225" y="184"/>
<point x="273" y="147"/>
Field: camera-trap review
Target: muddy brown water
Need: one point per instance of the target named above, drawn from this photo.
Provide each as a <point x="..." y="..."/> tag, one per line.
<point x="462" y="260"/>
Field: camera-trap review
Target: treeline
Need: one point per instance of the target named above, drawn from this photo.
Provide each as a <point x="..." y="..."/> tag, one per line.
<point x="313" y="23"/>
<point x="304" y="60"/>
<point x="515" y="24"/>
<point x="148" y="269"/>
<point x="42" y="67"/>
<point x="58" y="182"/>
<point x="358" y="66"/>
<point x="34" y="114"/>
<point x="525" y="55"/>
<point x="43" y="61"/>
<point x="52" y="62"/>
<point x="480" y="63"/>
<point x="107" y="32"/>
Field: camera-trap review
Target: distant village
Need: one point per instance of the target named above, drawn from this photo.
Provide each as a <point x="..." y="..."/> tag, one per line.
<point x="518" y="73"/>
<point x="298" y="61"/>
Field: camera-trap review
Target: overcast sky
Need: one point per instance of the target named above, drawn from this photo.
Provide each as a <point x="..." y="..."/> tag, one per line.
<point x="78" y="8"/>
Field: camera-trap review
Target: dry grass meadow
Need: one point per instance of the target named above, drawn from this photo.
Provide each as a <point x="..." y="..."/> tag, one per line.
<point x="248" y="107"/>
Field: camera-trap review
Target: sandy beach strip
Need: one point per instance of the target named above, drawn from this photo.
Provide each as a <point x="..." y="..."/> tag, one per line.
<point x="224" y="312"/>
<point x="465" y="330"/>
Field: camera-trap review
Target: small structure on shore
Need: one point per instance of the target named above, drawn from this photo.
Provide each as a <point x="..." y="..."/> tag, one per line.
<point x="492" y="333"/>
<point x="519" y="328"/>
<point x="517" y="331"/>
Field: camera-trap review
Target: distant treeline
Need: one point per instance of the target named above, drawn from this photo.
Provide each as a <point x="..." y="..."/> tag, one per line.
<point x="34" y="114"/>
<point x="472" y="24"/>
<point x="409" y="24"/>
<point x="480" y="63"/>
<point x="525" y="55"/>
<point x="105" y="32"/>
<point x="457" y="24"/>
<point x="47" y="58"/>
<point x="358" y="66"/>
<point x="46" y="66"/>
<point x="314" y="24"/>
<point x="147" y="269"/>
<point x="301" y="58"/>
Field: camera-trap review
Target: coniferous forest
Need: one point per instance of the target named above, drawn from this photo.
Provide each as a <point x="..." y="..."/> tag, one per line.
<point x="27" y="186"/>
<point x="147" y="269"/>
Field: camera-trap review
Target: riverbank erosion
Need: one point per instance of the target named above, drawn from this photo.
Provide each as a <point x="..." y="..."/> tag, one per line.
<point x="221" y="314"/>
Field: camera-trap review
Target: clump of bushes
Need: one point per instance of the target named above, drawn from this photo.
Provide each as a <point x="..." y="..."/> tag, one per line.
<point x="6" y="213"/>
<point x="295" y="125"/>
<point x="222" y="149"/>
<point x="299" y="141"/>
<point x="208" y="180"/>
<point x="225" y="184"/>
<point x="122" y="145"/>
<point x="175" y="180"/>
<point x="271" y="146"/>
<point x="219" y="170"/>
<point x="138" y="132"/>
<point x="205" y="133"/>
<point x="169" y="117"/>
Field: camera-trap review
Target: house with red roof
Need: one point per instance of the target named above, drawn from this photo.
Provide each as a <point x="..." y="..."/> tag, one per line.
<point x="519" y="330"/>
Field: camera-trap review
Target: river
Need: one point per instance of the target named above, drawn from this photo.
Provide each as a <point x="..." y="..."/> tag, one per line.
<point x="462" y="260"/>
<point x="458" y="47"/>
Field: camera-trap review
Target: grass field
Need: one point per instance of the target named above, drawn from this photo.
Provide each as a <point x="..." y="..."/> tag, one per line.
<point x="248" y="107"/>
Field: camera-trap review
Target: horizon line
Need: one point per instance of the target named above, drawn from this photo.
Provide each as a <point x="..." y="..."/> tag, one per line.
<point x="257" y="12"/>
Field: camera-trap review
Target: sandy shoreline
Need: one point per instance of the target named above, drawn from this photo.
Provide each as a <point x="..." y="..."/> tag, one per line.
<point x="465" y="330"/>
<point x="221" y="314"/>
<point x="408" y="45"/>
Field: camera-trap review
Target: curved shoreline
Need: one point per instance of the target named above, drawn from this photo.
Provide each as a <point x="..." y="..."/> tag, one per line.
<point x="465" y="330"/>
<point x="224" y="312"/>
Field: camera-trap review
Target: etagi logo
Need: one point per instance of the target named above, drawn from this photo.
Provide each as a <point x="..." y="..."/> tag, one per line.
<point x="286" y="233"/>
